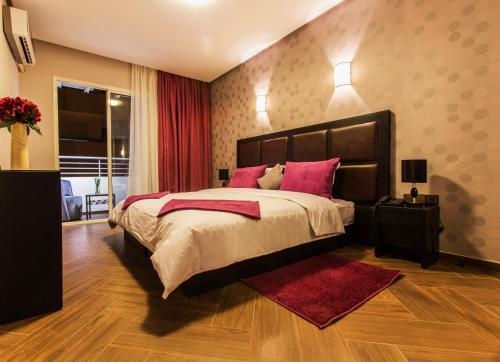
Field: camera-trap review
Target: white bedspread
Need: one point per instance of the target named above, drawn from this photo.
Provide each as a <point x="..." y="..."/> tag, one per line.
<point x="188" y="242"/>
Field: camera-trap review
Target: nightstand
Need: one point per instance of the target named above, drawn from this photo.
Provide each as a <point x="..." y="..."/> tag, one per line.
<point x="410" y="231"/>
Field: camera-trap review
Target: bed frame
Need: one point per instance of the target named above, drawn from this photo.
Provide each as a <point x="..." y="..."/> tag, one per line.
<point x="364" y="145"/>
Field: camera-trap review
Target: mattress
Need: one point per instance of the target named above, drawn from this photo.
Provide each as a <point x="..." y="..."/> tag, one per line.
<point x="346" y="210"/>
<point x="188" y="242"/>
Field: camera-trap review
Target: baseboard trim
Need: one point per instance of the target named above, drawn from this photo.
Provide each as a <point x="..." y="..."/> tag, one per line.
<point x="465" y="260"/>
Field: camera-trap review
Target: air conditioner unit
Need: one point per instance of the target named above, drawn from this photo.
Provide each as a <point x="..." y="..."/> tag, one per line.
<point x="17" y="32"/>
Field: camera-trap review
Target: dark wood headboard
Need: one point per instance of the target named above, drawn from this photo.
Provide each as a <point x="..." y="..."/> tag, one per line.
<point x="363" y="143"/>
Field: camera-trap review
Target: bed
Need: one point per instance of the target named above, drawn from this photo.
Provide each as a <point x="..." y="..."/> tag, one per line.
<point x="199" y="250"/>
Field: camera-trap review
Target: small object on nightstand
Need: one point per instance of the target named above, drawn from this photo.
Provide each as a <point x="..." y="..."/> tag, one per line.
<point x="223" y="176"/>
<point x="391" y="201"/>
<point x="408" y="230"/>
<point x="414" y="171"/>
<point x="422" y="199"/>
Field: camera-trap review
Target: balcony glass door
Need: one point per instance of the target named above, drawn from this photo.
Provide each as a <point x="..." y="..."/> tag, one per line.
<point x="120" y="141"/>
<point x="93" y="126"/>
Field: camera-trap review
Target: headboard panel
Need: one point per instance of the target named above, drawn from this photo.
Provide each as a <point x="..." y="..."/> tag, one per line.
<point x="357" y="183"/>
<point x="354" y="143"/>
<point x="363" y="143"/>
<point x="249" y="154"/>
<point x="274" y="151"/>
<point x="310" y="146"/>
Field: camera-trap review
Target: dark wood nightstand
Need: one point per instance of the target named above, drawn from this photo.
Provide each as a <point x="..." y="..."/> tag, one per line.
<point x="411" y="231"/>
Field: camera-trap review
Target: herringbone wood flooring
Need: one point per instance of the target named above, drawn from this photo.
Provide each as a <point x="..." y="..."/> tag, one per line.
<point x="113" y="312"/>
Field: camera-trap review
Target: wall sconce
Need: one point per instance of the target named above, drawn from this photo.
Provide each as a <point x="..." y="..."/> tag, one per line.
<point x="342" y="74"/>
<point x="261" y="104"/>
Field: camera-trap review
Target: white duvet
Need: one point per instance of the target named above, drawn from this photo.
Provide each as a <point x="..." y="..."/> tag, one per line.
<point x="188" y="242"/>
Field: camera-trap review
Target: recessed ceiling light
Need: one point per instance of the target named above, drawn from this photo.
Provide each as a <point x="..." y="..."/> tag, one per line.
<point x="197" y="2"/>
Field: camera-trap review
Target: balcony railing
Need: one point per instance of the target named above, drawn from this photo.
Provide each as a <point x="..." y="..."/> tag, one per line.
<point x="82" y="166"/>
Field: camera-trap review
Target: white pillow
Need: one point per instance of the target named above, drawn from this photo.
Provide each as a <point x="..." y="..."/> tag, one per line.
<point x="282" y="167"/>
<point x="272" y="179"/>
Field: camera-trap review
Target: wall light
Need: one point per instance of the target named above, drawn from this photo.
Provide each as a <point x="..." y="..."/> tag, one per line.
<point x="115" y="102"/>
<point x="342" y="74"/>
<point x="261" y="104"/>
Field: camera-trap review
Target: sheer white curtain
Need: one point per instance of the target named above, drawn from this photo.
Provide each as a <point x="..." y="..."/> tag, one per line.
<point x="143" y="166"/>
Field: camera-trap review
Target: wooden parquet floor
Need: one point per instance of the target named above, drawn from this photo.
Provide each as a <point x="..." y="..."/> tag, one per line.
<point x="113" y="312"/>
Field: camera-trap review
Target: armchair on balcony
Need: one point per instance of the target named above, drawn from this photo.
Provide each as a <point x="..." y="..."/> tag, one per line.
<point x="71" y="206"/>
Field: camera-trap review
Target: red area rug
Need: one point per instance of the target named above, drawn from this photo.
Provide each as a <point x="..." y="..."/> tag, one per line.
<point x="323" y="288"/>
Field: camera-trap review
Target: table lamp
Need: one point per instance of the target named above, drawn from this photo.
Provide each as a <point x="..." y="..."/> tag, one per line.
<point x="223" y="176"/>
<point x="414" y="171"/>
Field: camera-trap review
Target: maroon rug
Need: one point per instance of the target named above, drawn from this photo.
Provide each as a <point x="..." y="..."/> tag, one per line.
<point x="323" y="288"/>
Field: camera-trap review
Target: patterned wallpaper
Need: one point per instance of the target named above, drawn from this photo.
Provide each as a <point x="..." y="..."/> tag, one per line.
<point x="434" y="63"/>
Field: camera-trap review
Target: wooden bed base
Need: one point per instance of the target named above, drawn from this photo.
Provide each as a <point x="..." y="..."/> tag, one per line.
<point x="213" y="279"/>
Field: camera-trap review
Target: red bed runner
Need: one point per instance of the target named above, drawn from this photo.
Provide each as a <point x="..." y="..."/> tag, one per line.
<point x="131" y="199"/>
<point x="248" y="209"/>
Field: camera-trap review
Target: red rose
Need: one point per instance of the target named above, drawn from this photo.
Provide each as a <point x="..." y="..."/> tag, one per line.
<point x="14" y="110"/>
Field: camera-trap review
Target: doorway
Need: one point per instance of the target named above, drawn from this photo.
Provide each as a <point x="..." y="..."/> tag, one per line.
<point x="93" y="130"/>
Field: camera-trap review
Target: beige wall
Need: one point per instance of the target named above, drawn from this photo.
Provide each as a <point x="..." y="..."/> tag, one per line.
<point x="435" y="64"/>
<point x="37" y="85"/>
<point x="9" y="86"/>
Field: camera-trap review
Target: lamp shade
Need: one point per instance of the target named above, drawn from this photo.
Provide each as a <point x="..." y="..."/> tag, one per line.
<point x="414" y="171"/>
<point x="223" y="174"/>
<point x="261" y="104"/>
<point x="342" y="74"/>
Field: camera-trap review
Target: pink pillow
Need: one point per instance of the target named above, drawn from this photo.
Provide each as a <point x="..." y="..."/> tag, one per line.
<point x="310" y="177"/>
<point x="247" y="176"/>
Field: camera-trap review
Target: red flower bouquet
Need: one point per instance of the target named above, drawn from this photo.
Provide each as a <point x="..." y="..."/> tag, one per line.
<point x="14" y="110"/>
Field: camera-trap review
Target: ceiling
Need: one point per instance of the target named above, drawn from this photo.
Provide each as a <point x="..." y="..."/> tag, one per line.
<point x="201" y="39"/>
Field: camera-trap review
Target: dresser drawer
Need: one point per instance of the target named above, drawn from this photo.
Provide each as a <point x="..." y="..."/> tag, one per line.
<point x="403" y="236"/>
<point x="401" y="217"/>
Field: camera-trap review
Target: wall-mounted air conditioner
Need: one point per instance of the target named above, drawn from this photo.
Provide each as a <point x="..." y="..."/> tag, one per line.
<point x="17" y="32"/>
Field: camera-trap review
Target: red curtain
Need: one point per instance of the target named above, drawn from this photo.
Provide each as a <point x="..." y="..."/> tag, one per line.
<point x="183" y="133"/>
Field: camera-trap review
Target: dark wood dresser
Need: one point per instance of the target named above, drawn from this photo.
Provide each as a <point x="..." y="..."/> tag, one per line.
<point x="30" y="244"/>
